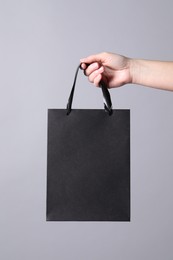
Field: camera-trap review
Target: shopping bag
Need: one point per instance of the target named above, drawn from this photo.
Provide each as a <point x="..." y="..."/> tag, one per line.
<point x="88" y="163"/>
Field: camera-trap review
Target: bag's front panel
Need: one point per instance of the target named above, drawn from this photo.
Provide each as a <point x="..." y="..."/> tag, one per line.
<point x="88" y="167"/>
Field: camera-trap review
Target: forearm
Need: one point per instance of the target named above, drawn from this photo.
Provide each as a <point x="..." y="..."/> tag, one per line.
<point x="156" y="74"/>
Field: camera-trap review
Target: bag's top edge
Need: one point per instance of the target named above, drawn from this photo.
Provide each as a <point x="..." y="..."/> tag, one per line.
<point x="90" y="109"/>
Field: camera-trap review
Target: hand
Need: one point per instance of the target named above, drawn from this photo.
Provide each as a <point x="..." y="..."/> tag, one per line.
<point x="112" y="68"/>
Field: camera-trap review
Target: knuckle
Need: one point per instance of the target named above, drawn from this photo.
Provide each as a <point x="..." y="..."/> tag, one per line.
<point x="104" y="54"/>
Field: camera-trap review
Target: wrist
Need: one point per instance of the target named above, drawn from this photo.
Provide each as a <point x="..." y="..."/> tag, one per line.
<point x="134" y="69"/>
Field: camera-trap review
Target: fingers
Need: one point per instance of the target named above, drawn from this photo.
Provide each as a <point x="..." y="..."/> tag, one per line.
<point x="97" y="80"/>
<point x="94" y="73"/>
<point x="89" y="68"/>
<point x="93" y="76"/>
<point x="92" y="68"/>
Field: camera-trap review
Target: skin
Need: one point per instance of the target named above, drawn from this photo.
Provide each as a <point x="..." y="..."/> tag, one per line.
<point x="117" y="70"/>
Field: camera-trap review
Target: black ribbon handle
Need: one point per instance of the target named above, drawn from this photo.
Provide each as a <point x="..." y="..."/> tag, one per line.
<point x="106" y="95"/>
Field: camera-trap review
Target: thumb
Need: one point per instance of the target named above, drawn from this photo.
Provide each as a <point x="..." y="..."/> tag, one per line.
<point x="92" y="58"/>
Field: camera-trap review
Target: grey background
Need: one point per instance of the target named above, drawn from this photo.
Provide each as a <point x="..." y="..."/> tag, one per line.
<point x="41" y="43"/>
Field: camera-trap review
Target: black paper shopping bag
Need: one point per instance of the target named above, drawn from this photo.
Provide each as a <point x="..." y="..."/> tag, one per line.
<point x="88" y="167"/>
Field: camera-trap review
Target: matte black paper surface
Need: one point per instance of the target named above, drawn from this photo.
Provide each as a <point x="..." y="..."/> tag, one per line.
<point x="88" y="168"/>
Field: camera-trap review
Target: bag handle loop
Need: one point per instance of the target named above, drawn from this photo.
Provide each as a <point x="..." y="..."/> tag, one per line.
<point x="106" y="95"/>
